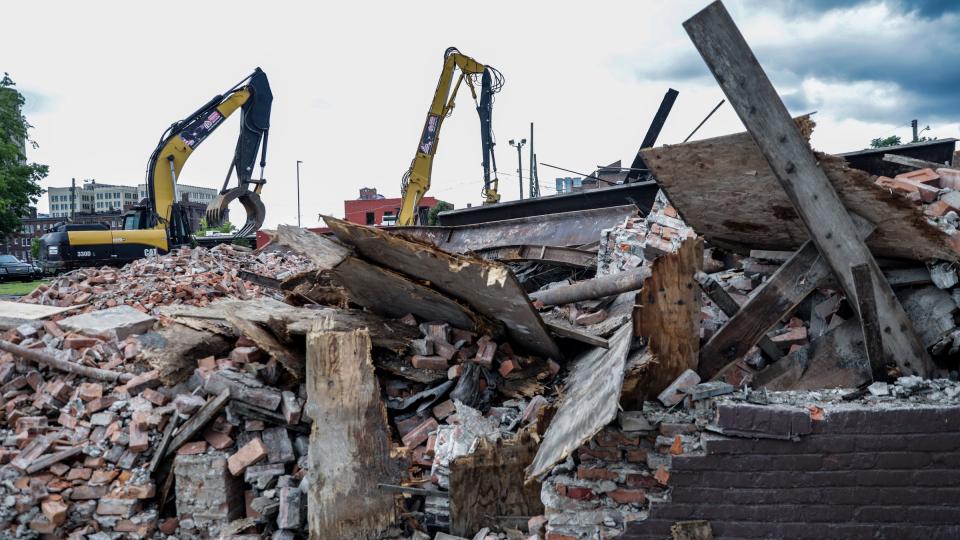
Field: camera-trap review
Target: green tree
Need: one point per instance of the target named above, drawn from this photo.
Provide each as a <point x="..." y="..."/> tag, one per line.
<point x="35" y="248"/>
<point x="880" y="142"/>
<point x="434" y="213"/>
<point x="19" y="180"/>
<point x="225" y="227"/>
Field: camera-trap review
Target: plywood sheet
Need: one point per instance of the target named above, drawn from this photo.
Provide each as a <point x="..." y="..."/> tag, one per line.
<point x="486" y="286"/>
<point x="724" y="188"/>
<point x="17" y="310"/>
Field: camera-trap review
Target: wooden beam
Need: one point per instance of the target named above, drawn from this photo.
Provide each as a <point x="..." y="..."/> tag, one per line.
<point x="803" y="273"/>
<point x="831" y="229"/>
<point x="201" y="418"/>
<point x="868" y="318"/>
<point x="566" y="331"/>
<point x="913" y="162"/>
<point x="730" y="307"/>
<point x="350" y="441"/>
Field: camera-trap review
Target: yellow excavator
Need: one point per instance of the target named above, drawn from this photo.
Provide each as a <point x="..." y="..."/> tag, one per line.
<point x="160" y="222"/>
<point x="416" y="181"/>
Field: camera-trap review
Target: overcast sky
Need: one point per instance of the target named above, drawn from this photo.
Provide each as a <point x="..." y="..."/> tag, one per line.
<point x="352" y="82"/>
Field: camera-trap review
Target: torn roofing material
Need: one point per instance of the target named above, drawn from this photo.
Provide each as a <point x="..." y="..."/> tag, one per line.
<point x="488" y="287"/>
<point x="591" y="402"/>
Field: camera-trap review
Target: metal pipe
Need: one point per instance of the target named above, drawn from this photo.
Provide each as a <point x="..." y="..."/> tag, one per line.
<point x="600" y="287"/>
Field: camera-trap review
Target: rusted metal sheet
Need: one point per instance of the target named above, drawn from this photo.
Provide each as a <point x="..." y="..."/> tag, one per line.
<point x="486" y="286"/>
<point x="564" y="229"/>
<point x="548" y="254"/>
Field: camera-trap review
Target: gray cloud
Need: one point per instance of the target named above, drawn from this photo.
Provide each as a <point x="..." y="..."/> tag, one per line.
<point x="893" y="73"/>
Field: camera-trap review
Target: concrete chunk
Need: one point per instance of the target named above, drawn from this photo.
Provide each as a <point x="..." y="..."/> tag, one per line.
<point x="124" y="320"/>
<point x="674" y="393"/>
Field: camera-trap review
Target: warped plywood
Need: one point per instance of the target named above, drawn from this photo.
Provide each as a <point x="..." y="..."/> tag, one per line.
<point x="668" y="313"/>
<point x="724" y="188"/>
<point x="591" y="400"/>
<point x="487" y="287"/>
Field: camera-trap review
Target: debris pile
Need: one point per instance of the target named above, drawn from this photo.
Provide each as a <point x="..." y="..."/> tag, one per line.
<point x="184" y="276"/>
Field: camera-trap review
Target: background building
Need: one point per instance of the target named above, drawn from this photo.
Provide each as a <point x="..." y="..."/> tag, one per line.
<point x="371" y="208"/>
<point x="33" y="226"/>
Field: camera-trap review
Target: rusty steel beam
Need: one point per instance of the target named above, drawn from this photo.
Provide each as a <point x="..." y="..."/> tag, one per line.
<point x="548" y="254"/>
<point x="559" y="230"/>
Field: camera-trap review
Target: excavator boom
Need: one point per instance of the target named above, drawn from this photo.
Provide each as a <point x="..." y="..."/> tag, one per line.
<point x="416" y="181"/>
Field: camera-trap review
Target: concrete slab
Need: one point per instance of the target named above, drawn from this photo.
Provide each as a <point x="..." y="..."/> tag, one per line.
<point x="124" y="320"/>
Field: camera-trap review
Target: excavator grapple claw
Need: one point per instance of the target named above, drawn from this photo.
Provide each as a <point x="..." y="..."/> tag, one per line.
<point x="256" y="212"/>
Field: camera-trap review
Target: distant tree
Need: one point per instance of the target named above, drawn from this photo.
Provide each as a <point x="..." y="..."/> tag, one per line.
<point x="433" y="217"/>
<point x="19" y="180"/>
<point x="879" y="142"/>
<point x="35" y="248"/>
<point x="225" y="227"/>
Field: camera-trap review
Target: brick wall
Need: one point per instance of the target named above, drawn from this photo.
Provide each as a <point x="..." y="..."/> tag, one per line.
<point x="831" y="470"/>
<point x="855" y="471"/>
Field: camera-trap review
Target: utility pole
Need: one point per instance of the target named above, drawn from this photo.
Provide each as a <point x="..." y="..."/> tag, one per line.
<point x="73" y="197"/>
<point x="298" y="192"/>
<point x="518" y="146"/>
<point x="913" y="124"/>
<point x="534" y="186"/>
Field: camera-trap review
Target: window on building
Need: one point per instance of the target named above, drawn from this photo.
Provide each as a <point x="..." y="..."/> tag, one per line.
<point x="371" y="218"/>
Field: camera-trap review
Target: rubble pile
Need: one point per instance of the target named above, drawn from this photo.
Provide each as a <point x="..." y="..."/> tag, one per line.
<point x="85" y="456"/>
<point x="191" y="276"/>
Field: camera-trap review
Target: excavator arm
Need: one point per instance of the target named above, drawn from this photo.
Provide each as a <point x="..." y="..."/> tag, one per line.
<point x="416" y="181"/>
<point x="253" y="97"/>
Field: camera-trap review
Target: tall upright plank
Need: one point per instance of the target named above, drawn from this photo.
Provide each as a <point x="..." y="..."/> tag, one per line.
<point x="349" y="441"/>
<point x="751" y="94"/>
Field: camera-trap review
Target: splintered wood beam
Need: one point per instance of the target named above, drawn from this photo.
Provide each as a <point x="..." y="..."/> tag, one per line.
<point x="912" y="162"/>
<point x="730" y="307"/>
<point x="803" y="273"/>
<point x="868" y="318"/>
<point x="831" y="229"/>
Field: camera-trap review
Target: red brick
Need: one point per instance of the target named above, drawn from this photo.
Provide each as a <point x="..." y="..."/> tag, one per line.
<point x="937" y="209"/>
<point x="605" y="454"/>
<point x="920" y="176"/>
<point x="79" y="342"/>
<point x="251" y="453"/>
<point x="662" y="475"/>
<point x="53" y="329"/>
<point x="420" y="434"/>
<point x="435" y="363"/>
<point x="169" y="525"/>
<point x="579" y="493"/>
<point x="139" y="439"/>
<point x="90" y="391"/>
<point x="588" y="473"/>
<point x="246" y="355"/>
<point x="154" y="397"/>
<point x="626" y="496"/>
<point x="191" y="448"/>
<point x="638" y="455"/>
<point x="444" y="409"/>
<point x="677" y="447"/>
<point x="55" y="509"/>
<point x="217" y="440"/>
<point x="79" y="473"/>
<point x="791" y="337"/>
<point x="507" y="366"/>
<point x="150" y="379"/>
<point x="611" y="437"/>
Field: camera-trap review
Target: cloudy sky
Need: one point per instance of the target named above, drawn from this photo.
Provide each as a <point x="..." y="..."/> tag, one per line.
<point x="352" y="82"/>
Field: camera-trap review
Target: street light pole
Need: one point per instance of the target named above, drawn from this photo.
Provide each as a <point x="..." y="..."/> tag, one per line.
<point x="298" y="192"/>
<point x="518" y="146"/>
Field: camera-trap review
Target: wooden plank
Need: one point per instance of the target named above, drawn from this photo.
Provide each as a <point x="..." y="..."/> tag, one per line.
<point x="385" y="333"/>
<point x="867" y="303"/>
<point x="562" y="256"/>
<point x="36" y="312"/>
<point x="324" y="252"/>
<point x="567" y="331"/>
<point x="730" y="307"/>
<point x="174" y="350"/>
<point x="835" y="360"/>
<point x="487" y="487"/>
<point x="912" y="162"/>
<point x="725" y="189"/>
<point x="161" y="451"/>
<point x="198" y="421"/>
<point x="668" y="314"/>
<point x="827" y="220"/>
<point x="803" y="273"/>
<point x="291" y="361"/>
<point x="488" y="287"/>
<point x="590" y="402"/>
<point x="50" y="459"/>
<point x="350" y="440"/>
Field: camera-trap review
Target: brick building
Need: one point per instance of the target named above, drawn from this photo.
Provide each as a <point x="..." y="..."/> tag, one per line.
<point x="32" y="226"/>
<point x="371" y="208"/>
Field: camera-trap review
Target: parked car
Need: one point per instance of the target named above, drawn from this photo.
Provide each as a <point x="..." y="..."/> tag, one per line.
<point x="12" y="268"/>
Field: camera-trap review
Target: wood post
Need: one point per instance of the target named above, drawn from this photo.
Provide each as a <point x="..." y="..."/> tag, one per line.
<point x="349" y="441"/>
<point x="831" y="229"/>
